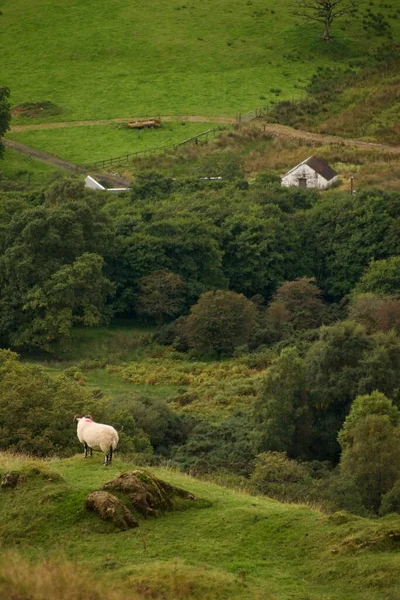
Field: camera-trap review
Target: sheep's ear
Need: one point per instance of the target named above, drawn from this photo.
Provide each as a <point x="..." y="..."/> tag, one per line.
<point x="77" y="417"/>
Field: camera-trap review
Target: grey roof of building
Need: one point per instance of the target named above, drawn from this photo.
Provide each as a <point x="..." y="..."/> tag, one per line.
<point x="317" y="164"/>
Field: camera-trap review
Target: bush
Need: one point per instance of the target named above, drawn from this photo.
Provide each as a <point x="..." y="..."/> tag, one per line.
<point x="375" y="313"/>
<point x="160" y="295"/>
<point x="391" y="500"/>
<point x="278" y="476"/>
<point x="226" y="447"/>
<point x="148" y="421"/>
<point x="382" y="277"/>
<point x="298" y="303"/>
<point x="219" y="322"/>
<point x="342" y="492"/>
<point x="370" y="440"/>
<point x="37" y="410"/>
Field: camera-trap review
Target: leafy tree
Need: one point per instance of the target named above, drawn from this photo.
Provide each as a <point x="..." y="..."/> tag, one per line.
<point x="160" y="295"/>
<point x="381" y="277"/>
<point x="376" y="313"/>
<point x="151" y="185"/>
<point x="154" y="238"/>
<point x="226" y="446"/>
<point x="324" y="12"/>
<point x="362" y="407"/>
<point x="391" y="500"/>
<point x="219" y="322"/>
<point x="259" y="246"/>
<point x="380" y="366"/>
<point x="151" y="416"/>
<point x="342" y="234"/>
<point x="5" y="114"/>
<point x="334" y="370"/>
<point x="301" y="303"/>
<point x="64" y="190"/>
<point x="282" y="410"/>
<point x="36" y="410"/>
<point x="370" y="441"/>
<point x="75" y="294"/>
<point x="37" y="243"/>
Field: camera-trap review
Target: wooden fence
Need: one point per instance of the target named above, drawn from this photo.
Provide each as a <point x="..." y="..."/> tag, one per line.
<point x="126" y="158"/>
<point x="256" y="113"/>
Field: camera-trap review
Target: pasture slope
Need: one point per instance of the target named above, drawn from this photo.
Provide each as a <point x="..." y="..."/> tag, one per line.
<point x="112" y="58"/>
<point x="226" y="544"/>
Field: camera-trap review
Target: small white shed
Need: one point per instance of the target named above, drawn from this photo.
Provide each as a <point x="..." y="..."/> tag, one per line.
<point x="91" y="183"/>
<point x="311" y="173"/>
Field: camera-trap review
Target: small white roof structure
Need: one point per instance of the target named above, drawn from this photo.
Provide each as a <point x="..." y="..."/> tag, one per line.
<point x="313" y="172"/>
<point x="91" y="183"/>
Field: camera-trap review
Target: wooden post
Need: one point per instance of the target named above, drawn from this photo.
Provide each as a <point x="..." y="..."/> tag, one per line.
<point x="352" y="185"/>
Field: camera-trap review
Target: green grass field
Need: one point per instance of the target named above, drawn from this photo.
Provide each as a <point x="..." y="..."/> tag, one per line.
<point x="113" y="58"/>
<point x="25" y="171"/>
<point x="82" y="145"/>
<point x="227" y="544"/>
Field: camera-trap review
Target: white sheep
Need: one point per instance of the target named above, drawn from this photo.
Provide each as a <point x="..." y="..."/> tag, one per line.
<point x="96" y="436"/>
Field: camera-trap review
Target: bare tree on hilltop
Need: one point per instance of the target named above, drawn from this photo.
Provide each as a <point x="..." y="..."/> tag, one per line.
<point x="323" y="11"/>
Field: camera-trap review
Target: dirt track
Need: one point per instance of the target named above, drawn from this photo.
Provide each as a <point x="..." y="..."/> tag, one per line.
<point x="116" y="181"/>
<point x="271" y="128"/>
<point x="50" y="159"/>
<point x="288" y="132"/>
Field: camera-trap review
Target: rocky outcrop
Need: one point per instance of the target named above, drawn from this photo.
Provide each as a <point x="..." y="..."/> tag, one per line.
<point x="11" y="479"/>
<point x="109" y="508"/>
<point x="148" y="494"/>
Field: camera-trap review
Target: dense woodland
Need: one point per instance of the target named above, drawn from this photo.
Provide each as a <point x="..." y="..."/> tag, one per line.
<point x="302" y="286"/>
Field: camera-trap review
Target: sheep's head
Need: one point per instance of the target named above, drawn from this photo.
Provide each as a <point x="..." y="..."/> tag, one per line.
<point x="79" y="418"/>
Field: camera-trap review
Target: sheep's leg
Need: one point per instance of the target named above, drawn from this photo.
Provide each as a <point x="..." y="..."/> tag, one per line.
<point x="91" y="452"/>
<point x="108" y="458"/>
<point x="85" y="449"/>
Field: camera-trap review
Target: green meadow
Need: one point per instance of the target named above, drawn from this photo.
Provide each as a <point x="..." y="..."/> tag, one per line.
<point x="23" y="170"/>
<point x="116" y="58"/>
<point x="88" y="144"/>
<point x="225" y="544"/>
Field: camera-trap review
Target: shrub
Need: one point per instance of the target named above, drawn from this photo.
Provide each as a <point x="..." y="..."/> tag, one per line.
<point x="276" y="475"/>
<point x="342" y="492"/>
<point x="375" y="313"/>
<point x="226" y="447"/>
<point x="36" y="410"/>
<point x="147" y="420"/>
<point x="160" y="295"/>
<point x="370" y="441"/>
<point x="298" y="303"/>
<point x="219" y="322"/>
<point x="391" y="500"/>
<point x="382" y="277"/>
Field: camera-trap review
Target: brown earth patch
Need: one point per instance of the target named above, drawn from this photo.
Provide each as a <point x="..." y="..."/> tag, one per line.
<point x="34" y="110"/>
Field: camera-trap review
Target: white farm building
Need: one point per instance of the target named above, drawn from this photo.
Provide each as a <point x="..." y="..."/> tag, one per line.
<point x="311" y="173"/>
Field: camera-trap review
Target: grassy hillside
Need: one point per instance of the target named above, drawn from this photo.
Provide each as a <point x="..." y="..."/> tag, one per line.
<point x="226" y="544"/>
<point x="119" y="58"/>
